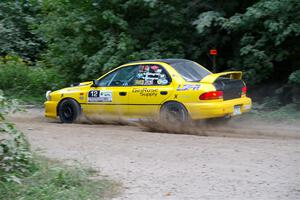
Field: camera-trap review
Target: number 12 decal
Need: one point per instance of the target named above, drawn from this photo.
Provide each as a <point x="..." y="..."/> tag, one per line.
<point x="94" y="93"/>
<point x="100" y="96"/>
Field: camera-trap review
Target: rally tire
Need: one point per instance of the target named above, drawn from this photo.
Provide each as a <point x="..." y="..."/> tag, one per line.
<point x="69" y="111"/>
<point x="173" y="112"/>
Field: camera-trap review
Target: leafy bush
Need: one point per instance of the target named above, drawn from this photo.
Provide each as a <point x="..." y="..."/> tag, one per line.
<point x="15" y="156"/>
<point x="19" y="80"/>
<point x="294" y="78"/>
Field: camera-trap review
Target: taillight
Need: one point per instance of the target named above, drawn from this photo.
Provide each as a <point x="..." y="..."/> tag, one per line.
<point x="244" y="90"/>
<point x="211" y="95"/>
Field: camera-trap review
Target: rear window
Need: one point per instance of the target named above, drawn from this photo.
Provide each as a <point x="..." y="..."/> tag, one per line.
<point x="190" y="71"/>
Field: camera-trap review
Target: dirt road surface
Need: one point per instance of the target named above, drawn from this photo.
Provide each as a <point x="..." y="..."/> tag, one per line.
<point x="179" y="167"/>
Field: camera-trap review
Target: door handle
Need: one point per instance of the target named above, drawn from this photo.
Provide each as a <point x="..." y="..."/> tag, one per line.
<point x="163" y="92"/>
<point x="122" y="93"/>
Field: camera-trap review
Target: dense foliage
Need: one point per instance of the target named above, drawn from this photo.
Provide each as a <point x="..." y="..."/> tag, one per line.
<point x="84" y="39"/>
<point x="17" y="21"/>
<point x="15" y="156"/>
<point x="295" y="77"/>
<point x="264" y="40"/>
<point x="100" y="35"/>
<point x="19" y="80"/>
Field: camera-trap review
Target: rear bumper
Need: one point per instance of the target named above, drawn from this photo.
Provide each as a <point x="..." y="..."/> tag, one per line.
<point x="51" y="109"/>
<point x="205" y="110"/>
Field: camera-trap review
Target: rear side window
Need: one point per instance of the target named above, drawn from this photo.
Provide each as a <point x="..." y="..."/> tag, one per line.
<point x="190" y="71"/>
<point x="151" y="74"/>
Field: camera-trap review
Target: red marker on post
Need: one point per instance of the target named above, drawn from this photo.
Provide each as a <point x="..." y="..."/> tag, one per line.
<point x="214" y="53"/>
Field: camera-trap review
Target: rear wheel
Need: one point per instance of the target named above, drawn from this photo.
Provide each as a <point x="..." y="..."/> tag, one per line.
<point x="69" y="111"/>
<point x="174" y="112"/>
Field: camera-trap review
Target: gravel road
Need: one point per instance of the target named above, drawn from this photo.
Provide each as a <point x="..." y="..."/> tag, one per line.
<point x="158" y="166"/>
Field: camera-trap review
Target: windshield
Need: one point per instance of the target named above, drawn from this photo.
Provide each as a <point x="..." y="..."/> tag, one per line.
<point x="190" y="71"/>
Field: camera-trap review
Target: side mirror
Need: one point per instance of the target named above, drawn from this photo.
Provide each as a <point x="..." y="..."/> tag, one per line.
<point x="94" y="83"/>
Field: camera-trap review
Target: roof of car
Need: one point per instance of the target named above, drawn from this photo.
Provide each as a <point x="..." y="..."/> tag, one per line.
<point x="168" y="60"/>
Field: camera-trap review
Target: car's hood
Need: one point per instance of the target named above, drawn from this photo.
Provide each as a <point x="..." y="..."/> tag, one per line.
<point x="82" y="84"/>
<point x="76" y="87"/>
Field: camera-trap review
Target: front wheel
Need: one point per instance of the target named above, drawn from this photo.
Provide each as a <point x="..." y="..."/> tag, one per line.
<point x="69" y="111"/>
<point x="174" y="112"/>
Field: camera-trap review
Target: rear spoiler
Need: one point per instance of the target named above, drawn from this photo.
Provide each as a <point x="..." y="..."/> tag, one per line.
<point x="213" y="77"/>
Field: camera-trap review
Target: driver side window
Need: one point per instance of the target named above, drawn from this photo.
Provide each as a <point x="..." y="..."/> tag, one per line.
<point x="120" y="77"/>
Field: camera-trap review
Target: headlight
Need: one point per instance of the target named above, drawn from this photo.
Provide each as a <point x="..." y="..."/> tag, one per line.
<point x="48" y="97"/>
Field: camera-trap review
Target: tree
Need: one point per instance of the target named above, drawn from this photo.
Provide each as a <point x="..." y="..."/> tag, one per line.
<point x="87" y="38"/>
<point x="16" y="35"/>
<point x="265" y="38"/>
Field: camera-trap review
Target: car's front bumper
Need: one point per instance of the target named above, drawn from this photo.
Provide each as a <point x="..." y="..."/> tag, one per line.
<point x="204" y="110"/>
<point x="51" y="109"/>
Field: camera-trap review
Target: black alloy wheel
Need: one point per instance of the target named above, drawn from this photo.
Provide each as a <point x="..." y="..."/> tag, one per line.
<point x="69" y="111"/>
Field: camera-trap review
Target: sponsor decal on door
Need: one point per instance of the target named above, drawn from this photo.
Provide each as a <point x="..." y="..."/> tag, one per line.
<point x="100" y="96"/>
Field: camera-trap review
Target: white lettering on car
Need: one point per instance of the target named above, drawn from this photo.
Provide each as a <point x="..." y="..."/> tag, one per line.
<point x="186" y="87"/>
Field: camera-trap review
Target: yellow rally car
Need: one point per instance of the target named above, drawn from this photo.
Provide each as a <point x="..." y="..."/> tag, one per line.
<point x="166" y="88"/>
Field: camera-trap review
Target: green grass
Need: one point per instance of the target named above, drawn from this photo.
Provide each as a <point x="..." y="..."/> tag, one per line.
<point x="36" y="99"/>
<point x="287" y="113"/>
<point x="54" y="181"/>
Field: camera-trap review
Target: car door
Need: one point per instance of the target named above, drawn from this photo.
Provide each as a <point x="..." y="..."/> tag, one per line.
<point x="110" y="96"/>
<point x="150" y="88"/>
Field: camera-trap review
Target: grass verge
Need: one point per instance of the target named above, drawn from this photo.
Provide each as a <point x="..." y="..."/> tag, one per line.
<point x="286" y="114"/>
<point x="51" y="180"/>
<point x="25" y="99"/>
